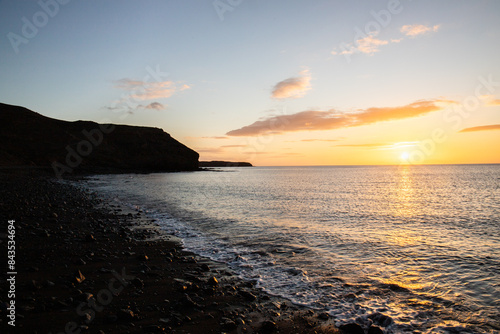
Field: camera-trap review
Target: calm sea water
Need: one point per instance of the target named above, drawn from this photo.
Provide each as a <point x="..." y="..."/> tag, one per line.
<point x="420" y="244"/>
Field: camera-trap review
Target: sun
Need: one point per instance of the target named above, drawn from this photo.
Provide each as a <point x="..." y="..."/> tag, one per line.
<point x="405" y="156"/>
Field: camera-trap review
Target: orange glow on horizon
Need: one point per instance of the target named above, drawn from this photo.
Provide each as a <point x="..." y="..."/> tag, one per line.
<point x="408" y="142"/>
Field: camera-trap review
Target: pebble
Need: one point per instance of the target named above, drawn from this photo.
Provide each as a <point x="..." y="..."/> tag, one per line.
<point x="323" y="316"/>
<point x="247" y="295"/>
<point x="78" y="277"/>
<point x="126" y="314"/>
<point x="352" y="328"/>
<point x="153" y="329"/>
<point x="268" y="327"/>
<point x="228" y="324"/>
<point x="381" y="319"/>
<point x="137" y="282"/>
<point x="375" y="330"/>
<point x="143" y="257"/>
<point x="213" y="281"/>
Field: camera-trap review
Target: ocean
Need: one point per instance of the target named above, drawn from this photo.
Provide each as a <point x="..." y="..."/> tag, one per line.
<point x="420" y="244"/>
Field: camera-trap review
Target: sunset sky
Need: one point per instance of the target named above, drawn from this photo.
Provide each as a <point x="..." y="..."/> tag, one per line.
<point x="270" y="82"/>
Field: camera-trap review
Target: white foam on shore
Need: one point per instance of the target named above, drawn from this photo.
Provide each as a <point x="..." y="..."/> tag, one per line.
<point x="326" y="267"/>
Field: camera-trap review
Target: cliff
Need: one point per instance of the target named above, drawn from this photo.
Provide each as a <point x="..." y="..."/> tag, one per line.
<point x="30" y="139"/>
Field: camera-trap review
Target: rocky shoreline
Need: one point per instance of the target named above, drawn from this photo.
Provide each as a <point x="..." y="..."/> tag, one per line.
<point x="85" y="265"/>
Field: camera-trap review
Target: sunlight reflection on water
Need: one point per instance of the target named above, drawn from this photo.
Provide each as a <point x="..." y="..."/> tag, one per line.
<point x="409" y="239"/>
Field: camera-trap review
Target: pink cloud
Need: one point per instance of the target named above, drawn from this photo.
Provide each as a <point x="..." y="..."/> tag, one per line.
<point x="482" y="128"/>
<point x="142" y="90"/>
<point x="292" y="87"/>
<point x="414" y="30"/>
<point x="313" y="120"/>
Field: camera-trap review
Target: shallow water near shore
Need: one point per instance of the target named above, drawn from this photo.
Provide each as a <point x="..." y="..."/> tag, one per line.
<point x="419" y="244"/>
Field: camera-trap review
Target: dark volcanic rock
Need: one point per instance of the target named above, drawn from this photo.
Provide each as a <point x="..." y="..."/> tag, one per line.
<point x="375" y="330"/>
<point x="352" y="328"/>
<point x="247" y="295"/>
<point x="268" y="327"/>
<point x="381" y="319"/>
<point x="78" y="277"/>
<point x="126" y="315"/>
<point x="30" y="139"/>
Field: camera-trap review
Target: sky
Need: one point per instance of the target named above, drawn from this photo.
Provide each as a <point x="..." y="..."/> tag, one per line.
<point x="270" y="82"/>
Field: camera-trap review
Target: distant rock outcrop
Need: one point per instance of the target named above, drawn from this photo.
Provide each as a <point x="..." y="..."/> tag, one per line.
<point x="224" y="164"/>
<point x="30" y="139"/>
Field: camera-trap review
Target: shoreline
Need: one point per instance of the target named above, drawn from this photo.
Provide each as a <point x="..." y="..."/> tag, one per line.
<point x="87" y="265"/>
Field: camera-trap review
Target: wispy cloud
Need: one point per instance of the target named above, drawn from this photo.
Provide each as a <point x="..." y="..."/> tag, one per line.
<point x="219" y="149"/>
<point x="292" y="87"/>
<point x="327" y="140"/>
<point x="154" y="106"/>
<point x="402" y="144"/>
<point x="490" y="100"/>
<point x="414" y="30"/>
<point x="130" y="109"/>
<point x="482" y="128"/>
<point x="360" y="145"/>
<point x="368" y="45"/>
<point x="138" y="92"/>
<point x="142" y="90"/>
<point x="210" y="150"/>
<point x="225" y="146"/>
<point x="380" y="146"/>
<point x="313" y="120"/>
<point x="216" y="137"/>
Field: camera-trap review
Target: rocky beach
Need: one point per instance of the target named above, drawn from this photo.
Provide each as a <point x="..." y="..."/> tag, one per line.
<point x="85" y="265"/>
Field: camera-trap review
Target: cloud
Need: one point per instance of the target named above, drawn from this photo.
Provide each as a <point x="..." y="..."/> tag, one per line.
<point x="138" y="91"/>
<point x="482" y="128"/>
<point x="219" y="149"/>
<point x="313" y="120"/>
<point x="292" y="87"/>
<point x="286" y="155"/>
<point x="379" y="146"/>
<point x="215" y="137"/>
<point x="130" y="109"/>
<point x="210" y="150"/>
<point x="490" y="100"/>
<point x="154" y="105"/>
<point x="399" y="145"/>
<point x="142" y="90"/>
<point x="414" y="30"/>
<point x="328" y="140"/>
<point x="361" y="145"/>
<point x="368" y="45"/>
